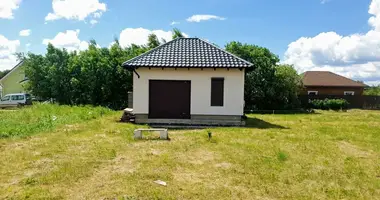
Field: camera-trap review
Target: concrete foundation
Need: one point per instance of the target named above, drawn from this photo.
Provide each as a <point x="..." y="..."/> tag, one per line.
<point x="196" y="120"/>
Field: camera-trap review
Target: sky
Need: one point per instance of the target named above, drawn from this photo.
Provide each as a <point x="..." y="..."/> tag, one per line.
<point x="342" y="36"/>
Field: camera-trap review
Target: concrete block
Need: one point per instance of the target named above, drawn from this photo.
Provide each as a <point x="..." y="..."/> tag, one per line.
<point x="138" y="134"/>
<point x="164" y="135"/>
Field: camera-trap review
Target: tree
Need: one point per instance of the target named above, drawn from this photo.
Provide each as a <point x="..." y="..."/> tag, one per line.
<point x="260" y="81"/>
<point x="4" y="73"/>
<point x="177" y="34"/>
<point x="287" y="87"/>
<point x="94" y="76"/>
<point x="267" y="85"/>
<point x="153" y="41"/>
<point x="372" y="91"/>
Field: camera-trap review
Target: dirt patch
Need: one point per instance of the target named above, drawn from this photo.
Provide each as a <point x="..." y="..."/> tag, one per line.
<point x="102" y="177"/>
<point x="224" y="165"/>
<point x="199" y="157"/>
<point x="70" y="128"/>
<point x="353" y="150"/>
<point x="121" y="165"/>
<point x="17" y="146"/>
<point x="187" y="177"/>
<point x="44" y="164"/>
<point x="155" y="152"/>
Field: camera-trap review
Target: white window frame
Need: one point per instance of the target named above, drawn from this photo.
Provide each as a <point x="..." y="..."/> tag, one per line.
<point x="349" y="93"/>
<point x="308" y="92"/>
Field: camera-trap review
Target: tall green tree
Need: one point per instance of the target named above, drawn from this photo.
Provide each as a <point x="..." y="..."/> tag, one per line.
<point x="94" y="76"/>
<point x="153" y="41"/>
<point x="287" y="87"/>
<point x="260" y="81"/>
<point x="177" y="34"/>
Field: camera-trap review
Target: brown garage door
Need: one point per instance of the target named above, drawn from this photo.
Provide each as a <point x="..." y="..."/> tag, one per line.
<point x="169" y="99"/>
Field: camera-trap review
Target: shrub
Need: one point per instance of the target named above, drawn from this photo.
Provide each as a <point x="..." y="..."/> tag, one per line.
<point x="330" y="104"/>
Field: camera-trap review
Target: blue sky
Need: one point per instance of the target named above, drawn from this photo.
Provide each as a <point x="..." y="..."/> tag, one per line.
<point x="334" y="35"/>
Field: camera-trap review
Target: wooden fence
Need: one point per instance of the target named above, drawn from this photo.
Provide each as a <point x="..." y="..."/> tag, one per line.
<point x="362" y="102"/>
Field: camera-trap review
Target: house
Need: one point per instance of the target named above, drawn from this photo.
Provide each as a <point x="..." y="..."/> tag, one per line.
<point x="328" y="83"/>
<point x="188" y="81"/>
<point x="13" y="82"/>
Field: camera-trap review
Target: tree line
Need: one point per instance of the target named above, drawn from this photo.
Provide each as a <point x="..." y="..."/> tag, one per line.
<point x="95" y="76"/>
<point x="372" y="91"/>
<point x="4" y="73"/>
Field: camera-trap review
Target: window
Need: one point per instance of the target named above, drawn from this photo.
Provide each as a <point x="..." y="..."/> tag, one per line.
<point x="217" y="91"/>
<point x="6" y="98"/>
<point x="312" y="93"/>
<point x="28" y="97"/>
<point x="349" y="93"/>
<point x="18" y="97"/>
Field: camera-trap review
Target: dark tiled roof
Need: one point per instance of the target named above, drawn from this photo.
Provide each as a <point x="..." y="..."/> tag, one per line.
<point x="187" y="53"/>
<point x="326" y="79"/>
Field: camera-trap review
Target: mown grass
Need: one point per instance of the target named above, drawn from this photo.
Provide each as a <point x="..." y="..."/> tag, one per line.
<point x="330" y="155"/>
<point x="44" y="117"/>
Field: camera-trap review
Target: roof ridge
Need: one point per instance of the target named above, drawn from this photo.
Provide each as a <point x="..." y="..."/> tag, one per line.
<point x="152" y="50"/>
<point x="347" y="78"/>
<point x="226" y="51"/>
<point x="352" y="82"/>
<point x="214" y="55"/>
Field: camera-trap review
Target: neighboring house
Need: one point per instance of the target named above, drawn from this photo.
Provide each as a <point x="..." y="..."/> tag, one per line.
<point x="188" y="81"/>
<point x="328" y="83"/>
<point x="13" y="81"/>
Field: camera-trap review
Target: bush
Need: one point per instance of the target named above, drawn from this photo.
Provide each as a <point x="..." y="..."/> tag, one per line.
<point x="330" y="104"/>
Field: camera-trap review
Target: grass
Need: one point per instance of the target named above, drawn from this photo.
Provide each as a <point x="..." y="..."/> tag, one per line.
<point x="38" y="118"/>
<point x="330" y="155"/>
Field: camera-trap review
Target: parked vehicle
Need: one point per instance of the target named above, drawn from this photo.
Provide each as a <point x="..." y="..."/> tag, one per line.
<point x="20" y="99"/>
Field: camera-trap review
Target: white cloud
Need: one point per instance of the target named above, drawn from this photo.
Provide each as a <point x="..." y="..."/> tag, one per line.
<point x="7" y="7"/>
<point x="68" y="40"/>
<point x="356" y="56"/>
<point x="93" y="22"/>
<point x="25" y="33"/>
<point x="374" y="10"/>
<point x="199" y="18"/>
<point x="77" y="10"/>
<point x="174" y="23"/>
<point x="97" y="15"/>
<point x="373" y="83"/>
<point x="7" y="50"/>
<point x="139" y="36"/>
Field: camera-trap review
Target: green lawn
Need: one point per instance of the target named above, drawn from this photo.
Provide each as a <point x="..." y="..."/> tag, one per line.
<point x="330" y="155"/>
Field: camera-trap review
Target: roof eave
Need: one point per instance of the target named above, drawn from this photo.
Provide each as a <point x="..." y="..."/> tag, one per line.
<point x="12" y="70"/>
<point x="159" y="66"/>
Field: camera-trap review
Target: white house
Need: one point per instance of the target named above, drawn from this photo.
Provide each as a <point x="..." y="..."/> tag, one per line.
<point x="188" y="81"/>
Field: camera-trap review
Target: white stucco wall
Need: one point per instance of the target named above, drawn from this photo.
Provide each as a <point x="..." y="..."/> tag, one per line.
<point x="200" y="89"/>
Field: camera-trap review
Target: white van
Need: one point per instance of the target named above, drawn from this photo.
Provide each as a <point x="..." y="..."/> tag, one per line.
<point x="16" y="99"/>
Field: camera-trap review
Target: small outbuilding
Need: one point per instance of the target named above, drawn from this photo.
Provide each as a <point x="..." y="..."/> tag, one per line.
<point x="188" y="81"/>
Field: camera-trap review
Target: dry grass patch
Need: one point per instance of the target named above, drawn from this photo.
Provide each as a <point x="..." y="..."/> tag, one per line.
<point x="353" y="150"/>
